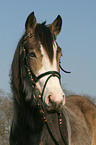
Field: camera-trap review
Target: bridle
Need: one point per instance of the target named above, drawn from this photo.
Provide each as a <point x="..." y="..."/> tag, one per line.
<point x="34" y="79"/>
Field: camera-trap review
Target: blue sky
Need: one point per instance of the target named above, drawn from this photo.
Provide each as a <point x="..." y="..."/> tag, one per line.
<point x="77" y="38"/>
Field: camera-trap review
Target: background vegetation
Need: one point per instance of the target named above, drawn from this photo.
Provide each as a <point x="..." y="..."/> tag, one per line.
<point x="5" y="117"/>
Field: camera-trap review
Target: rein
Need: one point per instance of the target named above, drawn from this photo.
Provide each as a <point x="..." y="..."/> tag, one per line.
<point x="34" y="79"/>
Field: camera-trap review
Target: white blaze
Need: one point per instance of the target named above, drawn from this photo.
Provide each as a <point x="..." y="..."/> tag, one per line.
<point x="53" y="87"/>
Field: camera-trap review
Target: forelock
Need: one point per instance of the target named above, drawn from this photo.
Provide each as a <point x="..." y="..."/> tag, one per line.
<point x="46" y="39"/>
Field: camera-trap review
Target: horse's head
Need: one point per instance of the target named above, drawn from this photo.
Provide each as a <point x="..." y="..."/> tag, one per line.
<point x="41" y="59"/>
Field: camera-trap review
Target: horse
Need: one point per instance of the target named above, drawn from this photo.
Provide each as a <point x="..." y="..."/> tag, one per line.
<point x="41" y="113"/>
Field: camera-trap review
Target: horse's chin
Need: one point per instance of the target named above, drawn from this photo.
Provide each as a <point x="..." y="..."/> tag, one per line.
<point x="51" y="109"/>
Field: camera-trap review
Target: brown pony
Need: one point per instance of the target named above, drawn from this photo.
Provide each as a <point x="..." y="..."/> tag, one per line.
<point x="41" y="114"/>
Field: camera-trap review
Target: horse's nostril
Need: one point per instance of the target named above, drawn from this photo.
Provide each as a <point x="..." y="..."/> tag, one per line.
<point x="63" y="102"/>
<point x="50" y="99"/>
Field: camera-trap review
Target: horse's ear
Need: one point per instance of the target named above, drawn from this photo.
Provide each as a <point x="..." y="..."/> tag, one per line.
<point x="31" y="23"/>
<point x="55" y="27"/>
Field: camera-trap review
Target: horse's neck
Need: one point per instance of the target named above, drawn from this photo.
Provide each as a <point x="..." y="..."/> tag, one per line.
<point x="28" y="125"/>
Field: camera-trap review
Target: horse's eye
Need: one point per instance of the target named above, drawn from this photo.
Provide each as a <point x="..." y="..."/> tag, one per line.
<point x="32" y="55"/>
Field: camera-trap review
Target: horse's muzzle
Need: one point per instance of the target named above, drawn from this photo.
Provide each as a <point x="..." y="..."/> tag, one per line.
<point x="53" y="105"/>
